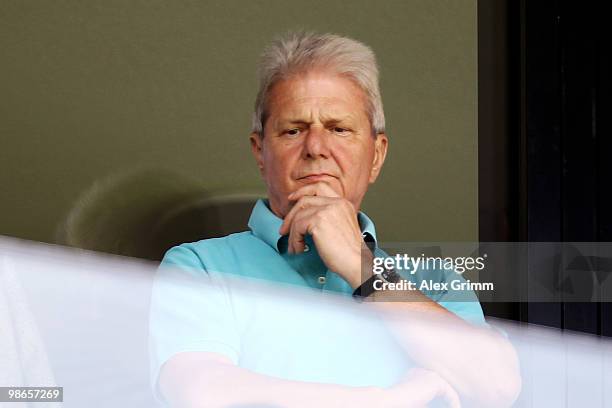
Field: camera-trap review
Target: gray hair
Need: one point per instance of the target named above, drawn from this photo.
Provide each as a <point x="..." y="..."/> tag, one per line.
<point x="300" y="52"/>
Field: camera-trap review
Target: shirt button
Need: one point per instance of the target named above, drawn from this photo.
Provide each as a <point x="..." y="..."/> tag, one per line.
<point x="306" y="248"/>
<point x="322" y="280"/>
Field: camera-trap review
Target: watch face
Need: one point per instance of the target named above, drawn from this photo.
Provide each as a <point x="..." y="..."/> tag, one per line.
<point x="390" y="276"/>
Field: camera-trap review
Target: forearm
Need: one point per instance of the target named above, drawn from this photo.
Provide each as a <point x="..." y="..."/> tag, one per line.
<point x="222" y="384"/>
<point x="477" y="361"/>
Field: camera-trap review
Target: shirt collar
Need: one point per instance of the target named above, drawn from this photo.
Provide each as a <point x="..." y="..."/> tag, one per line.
<point x="265" y="225"/>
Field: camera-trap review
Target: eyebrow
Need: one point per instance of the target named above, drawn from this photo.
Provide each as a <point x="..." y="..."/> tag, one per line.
<point x="328" y="120"/>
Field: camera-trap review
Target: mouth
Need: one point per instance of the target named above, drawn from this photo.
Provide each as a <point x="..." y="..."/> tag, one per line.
<point x="315" y="177"/>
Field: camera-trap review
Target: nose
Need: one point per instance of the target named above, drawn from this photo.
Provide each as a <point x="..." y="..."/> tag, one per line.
<point x="316" y="143"/>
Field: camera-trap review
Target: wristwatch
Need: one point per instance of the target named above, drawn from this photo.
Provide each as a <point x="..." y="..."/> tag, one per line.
<point x="367" y="287"/>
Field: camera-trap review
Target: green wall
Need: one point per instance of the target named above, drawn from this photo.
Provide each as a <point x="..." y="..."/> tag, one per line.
<point x="92" y="90"/>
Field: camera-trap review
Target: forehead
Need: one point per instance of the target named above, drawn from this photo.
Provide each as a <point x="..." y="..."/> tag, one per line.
<point x="317" y="92"/>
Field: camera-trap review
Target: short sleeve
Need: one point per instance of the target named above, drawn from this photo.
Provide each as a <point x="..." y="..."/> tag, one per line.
<point x="190" y="311"/>
<point x="462" y="302"/>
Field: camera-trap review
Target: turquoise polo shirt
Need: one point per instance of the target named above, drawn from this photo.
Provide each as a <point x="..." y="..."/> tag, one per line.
<point x="279" y="314"/>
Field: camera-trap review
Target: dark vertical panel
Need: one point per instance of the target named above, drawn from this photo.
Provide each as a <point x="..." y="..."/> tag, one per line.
<point x="498" y="51"/>
<point x="603" y="129"/>
<point x="492" y="121"/>
<point x="542" y="110"/>
<point x="579" y="143"/>
<point x="554" y="157"/>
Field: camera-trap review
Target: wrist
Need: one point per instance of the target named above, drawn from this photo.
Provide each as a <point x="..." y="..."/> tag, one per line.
<point x="377" y="283"/>
<point x="363" y="269"/>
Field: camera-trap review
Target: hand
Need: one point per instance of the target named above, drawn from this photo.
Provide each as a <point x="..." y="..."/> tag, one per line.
<point x="418" y="388"/>
<point x="332" y="222"/>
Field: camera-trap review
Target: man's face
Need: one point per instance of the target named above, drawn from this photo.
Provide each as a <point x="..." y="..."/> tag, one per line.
<point x="317" y="131"/>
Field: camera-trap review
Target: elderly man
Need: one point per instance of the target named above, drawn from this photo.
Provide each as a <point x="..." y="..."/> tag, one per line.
<point x="319" y="141"/>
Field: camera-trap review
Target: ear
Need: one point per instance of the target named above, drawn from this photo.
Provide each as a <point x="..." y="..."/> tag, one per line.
<point x="256" y="147"/>
<point x="380" y="153"/>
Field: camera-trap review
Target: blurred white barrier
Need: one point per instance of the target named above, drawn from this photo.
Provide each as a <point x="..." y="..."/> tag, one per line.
<point x="80" y="320"/>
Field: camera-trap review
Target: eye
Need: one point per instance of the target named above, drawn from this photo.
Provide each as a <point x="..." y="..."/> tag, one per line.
<point x="340" y="130"/>
<point x="292" y="132"/>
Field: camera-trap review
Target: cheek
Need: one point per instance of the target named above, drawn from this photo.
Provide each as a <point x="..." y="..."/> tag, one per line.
<point x="356" y="163"/>
<point x="277" y="168"/>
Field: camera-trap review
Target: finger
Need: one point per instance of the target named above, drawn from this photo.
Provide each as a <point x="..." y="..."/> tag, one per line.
<point x="451" y="396"/>
<point x="321" y="188"/>
<point x="303" y="203"/>
<point x="433" y="386"/>
<point x="300" y="226"/>
<point x="296" y="242"/>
